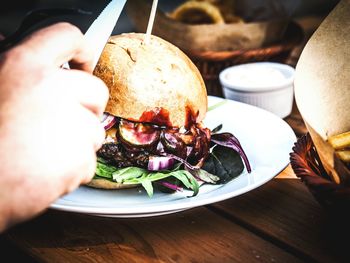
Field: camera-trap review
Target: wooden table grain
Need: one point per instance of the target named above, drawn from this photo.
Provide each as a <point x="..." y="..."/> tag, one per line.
<point x="277" y="222"/>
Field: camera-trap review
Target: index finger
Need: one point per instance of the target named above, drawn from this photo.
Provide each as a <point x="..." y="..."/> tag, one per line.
<point x="60" y="43"/>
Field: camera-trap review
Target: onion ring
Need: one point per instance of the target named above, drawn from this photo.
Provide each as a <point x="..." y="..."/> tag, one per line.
<point x="194" y="12"/>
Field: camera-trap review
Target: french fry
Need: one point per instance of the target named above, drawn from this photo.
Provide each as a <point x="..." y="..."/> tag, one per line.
<point x="340" y="141"/>
<point x="344" y="155"/>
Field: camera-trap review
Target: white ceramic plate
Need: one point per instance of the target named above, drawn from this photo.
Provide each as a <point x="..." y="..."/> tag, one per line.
<point x="266" y="139"/>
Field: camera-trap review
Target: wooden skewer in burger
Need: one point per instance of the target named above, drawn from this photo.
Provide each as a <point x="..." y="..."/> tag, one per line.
<point x="154" y="115"/>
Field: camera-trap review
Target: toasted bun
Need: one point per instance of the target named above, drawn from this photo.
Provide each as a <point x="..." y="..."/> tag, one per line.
<point x="145" y="78"/>
<point x="106" y="184"/>
<point x="322" y="89"/>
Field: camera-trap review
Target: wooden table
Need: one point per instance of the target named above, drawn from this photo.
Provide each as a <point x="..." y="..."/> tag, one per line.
<point x="277" y="222"/>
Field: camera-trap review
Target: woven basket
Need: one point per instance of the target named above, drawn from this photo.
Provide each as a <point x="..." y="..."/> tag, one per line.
<point x="307" y="166"/>
<point x="210" y="64"/>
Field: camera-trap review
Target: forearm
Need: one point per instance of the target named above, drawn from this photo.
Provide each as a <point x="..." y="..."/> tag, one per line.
<point x="49" y="121"/>
<point x="22" y="193"/>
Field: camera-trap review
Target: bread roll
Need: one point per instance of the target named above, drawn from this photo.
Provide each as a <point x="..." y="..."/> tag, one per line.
<point x="148" y="77"/>
<point x="102" y="183"/>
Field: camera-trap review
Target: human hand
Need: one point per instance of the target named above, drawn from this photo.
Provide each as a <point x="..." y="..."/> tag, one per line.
<point x="49" y="121"/>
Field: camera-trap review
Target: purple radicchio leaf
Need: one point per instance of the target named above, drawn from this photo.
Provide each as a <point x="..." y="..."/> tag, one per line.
<point x="227" y="139"/>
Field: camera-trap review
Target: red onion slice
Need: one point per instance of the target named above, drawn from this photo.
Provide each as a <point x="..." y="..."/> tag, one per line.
<point x="104" y="117"/>
<point x="172" y="186"/>
<point x="108" y="121"/>
<point x="157" y="163"/>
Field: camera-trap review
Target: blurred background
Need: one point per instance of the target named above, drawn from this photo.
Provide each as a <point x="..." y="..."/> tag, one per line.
<point x="14" y="11"/>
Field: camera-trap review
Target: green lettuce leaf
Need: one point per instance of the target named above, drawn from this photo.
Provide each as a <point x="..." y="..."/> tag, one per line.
<point x="136" y="175"/>
<point x="104" y="170"/>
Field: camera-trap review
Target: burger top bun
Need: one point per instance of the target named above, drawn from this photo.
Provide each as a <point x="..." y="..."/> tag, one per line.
<point x="322" y="85"/>
<point x="146" y="79"/>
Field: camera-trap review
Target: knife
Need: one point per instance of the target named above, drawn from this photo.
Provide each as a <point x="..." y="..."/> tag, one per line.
<point x="101" y="29"/>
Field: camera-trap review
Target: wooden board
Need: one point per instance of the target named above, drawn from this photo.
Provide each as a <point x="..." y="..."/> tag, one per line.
<point x="197" y="235"/>
<point x="285" y="213"/>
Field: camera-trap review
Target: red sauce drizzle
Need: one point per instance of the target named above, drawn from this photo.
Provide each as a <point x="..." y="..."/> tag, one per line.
<point x="191" y="117"/>
<point x="158" y="115"/>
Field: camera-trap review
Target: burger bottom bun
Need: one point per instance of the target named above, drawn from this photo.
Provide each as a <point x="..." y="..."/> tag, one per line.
<point x="335" y="168"/>
<point x="101" y="183"/>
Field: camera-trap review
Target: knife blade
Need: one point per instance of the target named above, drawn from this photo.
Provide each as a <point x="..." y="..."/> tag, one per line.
<point x="101" y="29"/>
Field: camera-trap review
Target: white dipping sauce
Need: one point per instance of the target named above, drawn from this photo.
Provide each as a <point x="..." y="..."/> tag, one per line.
<point x="268" y="85"/>
<point x="255" y="76"/>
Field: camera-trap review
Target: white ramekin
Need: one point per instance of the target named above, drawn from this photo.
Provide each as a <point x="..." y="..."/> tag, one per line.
<point x="268" y="85"/>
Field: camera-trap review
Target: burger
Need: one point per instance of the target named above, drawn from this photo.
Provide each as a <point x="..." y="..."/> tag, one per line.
<point x="153" y="119"/>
